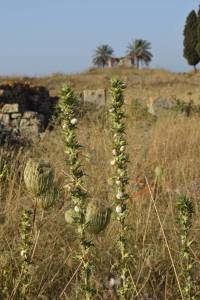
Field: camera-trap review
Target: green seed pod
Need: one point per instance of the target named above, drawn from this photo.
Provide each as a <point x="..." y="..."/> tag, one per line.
<point x="97" y="218"/>
<point x="38" y="176"/>
<point x="70" y="215"/>
<point x="47" y="199"/>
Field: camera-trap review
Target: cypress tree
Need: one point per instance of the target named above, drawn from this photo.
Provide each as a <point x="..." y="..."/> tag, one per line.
<point x="198" y="33"/>
<point x="190" y="39"/>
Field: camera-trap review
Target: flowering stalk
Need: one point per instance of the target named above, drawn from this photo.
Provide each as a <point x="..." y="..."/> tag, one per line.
<point x="26" y="247"/>
<point x="185" y="211"/>
<point x="77" y="194"/>
<point x="120" y="180"/>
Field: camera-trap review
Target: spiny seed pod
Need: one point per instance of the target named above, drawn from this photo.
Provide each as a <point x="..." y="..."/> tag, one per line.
<point x="38" y="176"/>
<point x="97" y="218"/>
<point x="70" y="216"/>
<point x="48" y="198"/>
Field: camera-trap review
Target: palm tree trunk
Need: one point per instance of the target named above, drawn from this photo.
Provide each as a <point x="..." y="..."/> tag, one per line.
<point x="137" y="63"/>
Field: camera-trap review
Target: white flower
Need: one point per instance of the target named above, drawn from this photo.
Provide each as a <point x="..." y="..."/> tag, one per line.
<point x="64" y="126"/>
<point x="114" y="152"/>
<point x="23" y="253"/>
<point x="118" y="182"/>
<point x="76" y="208"/>
<point x="119" y="195"/>
<point x="118" y="209"/>
<point x="122" y="148"/>
<point x="67" y="187"/>
<point x="74" y="121"/>
<point x="112" y="282"/>
<point x="111" y="110"/>
<point x="112" y="162"/>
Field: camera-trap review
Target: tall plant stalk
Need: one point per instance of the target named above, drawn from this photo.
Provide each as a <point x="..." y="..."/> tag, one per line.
<point x="185" y="212"/>
<point x="26" y="247"/>
<point x="120" y="180"/>
<point x="74" y="184"/>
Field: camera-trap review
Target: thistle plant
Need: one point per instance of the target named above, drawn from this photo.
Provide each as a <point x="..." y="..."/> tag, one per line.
<point x="77" y="193"/>
<point x="25" y="252"/>
<point x="185" y="212"/>
<point x="120" y="180"/>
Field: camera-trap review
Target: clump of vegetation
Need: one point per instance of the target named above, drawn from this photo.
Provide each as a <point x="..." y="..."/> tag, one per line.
<point x="74" y="184"/>
<point x="185" y="212"/>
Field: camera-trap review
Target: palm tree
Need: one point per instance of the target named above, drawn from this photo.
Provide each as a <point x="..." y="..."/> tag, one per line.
<point x="138" y="51"/>
<point x="102" y="55"/>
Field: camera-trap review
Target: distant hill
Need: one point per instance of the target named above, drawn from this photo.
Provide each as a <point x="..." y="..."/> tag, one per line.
<point x="141" y="84"/>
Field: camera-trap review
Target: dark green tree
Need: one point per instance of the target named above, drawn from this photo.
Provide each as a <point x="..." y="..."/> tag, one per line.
<point x="198" y="33"/>
<point x="102" y="55"/>
<point x="190" y="40"/>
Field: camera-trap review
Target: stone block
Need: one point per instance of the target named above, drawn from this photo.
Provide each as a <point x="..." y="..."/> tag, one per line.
<point x="32" y="127"/>
<point x="97" y="97"/>
<point x="15" y="122"/>
<point x="10" y="108"/>
<point x="30" y="115"/>
<point x="5" y="119"/>
<point x="16" y="116"/>
<point x="158" y="105"/>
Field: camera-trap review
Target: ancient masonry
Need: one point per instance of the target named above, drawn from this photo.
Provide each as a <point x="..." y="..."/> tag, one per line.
<point x="97" y="97"/>
<point x="24" y="110"/>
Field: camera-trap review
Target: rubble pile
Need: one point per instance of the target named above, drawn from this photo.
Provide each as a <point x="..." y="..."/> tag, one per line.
<point x="25" y="109"/>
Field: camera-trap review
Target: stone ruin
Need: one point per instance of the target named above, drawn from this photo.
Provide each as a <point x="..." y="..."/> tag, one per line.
<point x="159" y="105"/>
<point x="24" y="110"/>
<point x="96" y="97"/>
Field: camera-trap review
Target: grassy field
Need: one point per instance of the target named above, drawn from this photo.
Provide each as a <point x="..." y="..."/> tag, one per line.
<point x="141" y="84"/>
<point x="171" y="142"/>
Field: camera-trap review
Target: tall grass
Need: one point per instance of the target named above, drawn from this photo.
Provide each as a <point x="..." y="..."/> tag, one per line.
<point x="151" y="271"/>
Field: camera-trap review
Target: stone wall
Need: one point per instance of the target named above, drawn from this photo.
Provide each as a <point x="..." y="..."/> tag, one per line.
<point x="24" y="110"/>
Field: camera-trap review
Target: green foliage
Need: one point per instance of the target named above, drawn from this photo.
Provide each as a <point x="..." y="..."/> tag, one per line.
<point x="191" y="39"/>
<point x="139" y="52"/>
<point x="70" y="216"/>
<point x="186" y="108"/>
<point x="101" y="55"/>
<point x="185" y="212"/>
<point x="120" y="181"/>
<point x="25" y="253"/>
<point x="198" y="33"/>
<point x="77" y="194"/>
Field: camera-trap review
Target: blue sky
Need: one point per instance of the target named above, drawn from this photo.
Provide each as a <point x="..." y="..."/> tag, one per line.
<point x="45" y="36"/>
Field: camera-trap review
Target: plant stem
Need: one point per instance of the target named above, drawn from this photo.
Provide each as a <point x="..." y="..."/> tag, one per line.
<point x="120" y="181"/>
<point x="77" y="194"/>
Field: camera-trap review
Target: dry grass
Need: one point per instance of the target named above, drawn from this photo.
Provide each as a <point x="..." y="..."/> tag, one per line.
<point x="172" y="142"/>
<point x="142" y="84"/>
